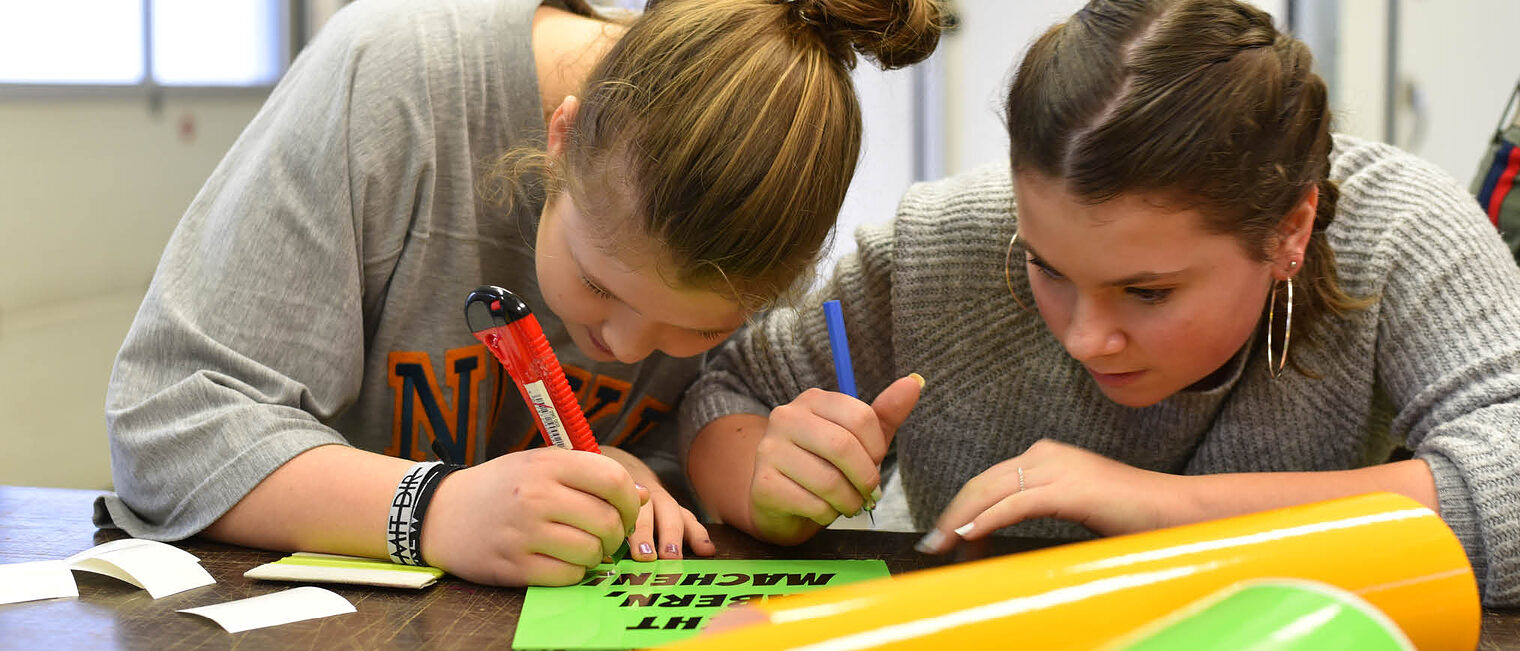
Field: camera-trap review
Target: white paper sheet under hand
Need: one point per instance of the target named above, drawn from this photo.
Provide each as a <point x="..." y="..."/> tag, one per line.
<point x="293" y="605"/>
<point x="159" y="568"/>
<point x="36" y="580"/>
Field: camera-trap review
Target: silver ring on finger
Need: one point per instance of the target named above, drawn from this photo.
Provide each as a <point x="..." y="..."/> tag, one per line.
<point x="1021" y="478"/>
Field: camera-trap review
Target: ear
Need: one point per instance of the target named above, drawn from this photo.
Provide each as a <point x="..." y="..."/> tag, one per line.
<point x="1293" y="235"/>
<point x="561" y="123"/>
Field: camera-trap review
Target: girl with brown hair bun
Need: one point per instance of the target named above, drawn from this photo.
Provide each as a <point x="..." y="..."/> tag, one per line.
<point x="1182" y="298"/>
<point x="643" y="185"/>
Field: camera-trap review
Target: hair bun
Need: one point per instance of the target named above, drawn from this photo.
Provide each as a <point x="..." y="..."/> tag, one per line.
<point x="893" y="33"/>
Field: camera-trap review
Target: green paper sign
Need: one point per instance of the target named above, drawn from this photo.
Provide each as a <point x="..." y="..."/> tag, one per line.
<point x="636" y="605"/>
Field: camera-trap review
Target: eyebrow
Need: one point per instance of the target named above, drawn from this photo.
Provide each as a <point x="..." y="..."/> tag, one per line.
<point x="1132" y="279"/>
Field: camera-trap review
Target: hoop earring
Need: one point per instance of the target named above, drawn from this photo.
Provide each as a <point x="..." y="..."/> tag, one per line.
<point x="1276" y="368"/>
<point x="1008" y="273"/>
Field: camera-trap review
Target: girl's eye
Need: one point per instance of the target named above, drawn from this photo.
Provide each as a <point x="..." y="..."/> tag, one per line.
<point x="600" y="293"/>
<point x="1045" y="268"/>
<point x="1149" y="295"/>
<point x="714" y="335"/>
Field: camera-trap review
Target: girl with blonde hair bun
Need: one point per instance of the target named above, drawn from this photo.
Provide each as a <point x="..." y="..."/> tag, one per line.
<point x="644" y="185"/>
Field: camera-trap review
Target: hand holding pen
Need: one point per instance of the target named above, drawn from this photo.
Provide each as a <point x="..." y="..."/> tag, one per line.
<point x="508" y="328"/>
<point x="537" y="517"/>
<point x="844" y="373"/>
<point x="821" y="454"/>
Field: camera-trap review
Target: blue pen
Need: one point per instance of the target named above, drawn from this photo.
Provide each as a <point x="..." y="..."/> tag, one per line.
<point x="839" y="343"/>
<point x="833" y="316"/>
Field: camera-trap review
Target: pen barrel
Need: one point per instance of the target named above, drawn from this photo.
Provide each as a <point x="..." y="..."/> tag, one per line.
<point x="575" y="430"/>
<point x="508" y="328"/>
<point x="521" y="348"/>
<point x="839" y="344"/>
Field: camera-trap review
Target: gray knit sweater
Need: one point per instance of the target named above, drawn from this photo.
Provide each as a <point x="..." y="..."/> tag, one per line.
<point x="1433" y="364"/>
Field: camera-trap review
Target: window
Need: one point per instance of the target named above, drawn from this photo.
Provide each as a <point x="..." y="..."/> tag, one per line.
<point x="175" y="43"/>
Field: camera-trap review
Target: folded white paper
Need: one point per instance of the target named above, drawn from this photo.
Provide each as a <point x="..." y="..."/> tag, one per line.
<point x="293" y="605"/>
<point x="159" y="568"/>
<point x="36" y="580"/>
<point x="129" y="543"/>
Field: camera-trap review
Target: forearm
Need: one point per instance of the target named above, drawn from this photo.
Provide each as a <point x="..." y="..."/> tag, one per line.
<point x="331" y="498"/>
<point x="1215" y="496"/>
<point x="722" y="466"/>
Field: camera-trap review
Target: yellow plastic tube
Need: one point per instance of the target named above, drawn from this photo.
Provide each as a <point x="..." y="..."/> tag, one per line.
<point x="1389" y="550"/>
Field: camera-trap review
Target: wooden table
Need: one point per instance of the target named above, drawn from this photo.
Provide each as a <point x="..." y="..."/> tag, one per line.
<point x="46" y="524"/>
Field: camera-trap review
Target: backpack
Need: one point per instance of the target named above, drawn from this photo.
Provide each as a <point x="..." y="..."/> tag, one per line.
<point x="1494" y="185"/>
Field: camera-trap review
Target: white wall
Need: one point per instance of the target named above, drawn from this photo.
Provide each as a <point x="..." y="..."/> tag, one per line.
<point x="1456" y="67"/>
<point x="89" y="191"/>
<point x="885" y="168"/>
<point x="1361" y="69"/>
<point x="980" y="59"/>
<point x="1458" y="63"/>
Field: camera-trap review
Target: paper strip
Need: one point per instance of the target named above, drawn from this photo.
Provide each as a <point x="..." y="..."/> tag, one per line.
<point x="129" y="543"/>
<point x="36" y="580"/>
<point x="159" y="568"/>
<point x="293" y="605"/>
<point x="330" y="568"/>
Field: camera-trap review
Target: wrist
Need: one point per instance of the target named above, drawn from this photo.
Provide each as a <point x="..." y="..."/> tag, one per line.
<point x="443" y="524"/>
<point x="1186" y="500"/>
<point x="408" y="510"/>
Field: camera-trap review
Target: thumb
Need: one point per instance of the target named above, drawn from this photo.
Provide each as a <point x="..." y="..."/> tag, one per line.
<point x="643" y="493"/>
<point x="894" y="403"/>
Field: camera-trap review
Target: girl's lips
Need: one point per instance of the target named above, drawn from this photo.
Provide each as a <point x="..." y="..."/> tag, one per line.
<point x="1115" y="379"/>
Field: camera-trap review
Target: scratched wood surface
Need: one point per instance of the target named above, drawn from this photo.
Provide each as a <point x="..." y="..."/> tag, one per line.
<point x="45" y="524"/>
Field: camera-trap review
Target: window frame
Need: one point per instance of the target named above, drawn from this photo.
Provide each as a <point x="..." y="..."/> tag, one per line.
<point x="290" y="28"/>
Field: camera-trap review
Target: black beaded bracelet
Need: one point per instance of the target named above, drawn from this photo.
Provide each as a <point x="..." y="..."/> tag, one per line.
<point x="403" y="533"/>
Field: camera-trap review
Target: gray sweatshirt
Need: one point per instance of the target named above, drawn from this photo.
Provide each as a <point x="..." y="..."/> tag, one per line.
<point x="1433" y="364"/>
<point x="314" y="291"/>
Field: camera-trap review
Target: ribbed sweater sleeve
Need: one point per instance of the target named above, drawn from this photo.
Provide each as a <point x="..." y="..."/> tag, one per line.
<point x="1448" y="353"/>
